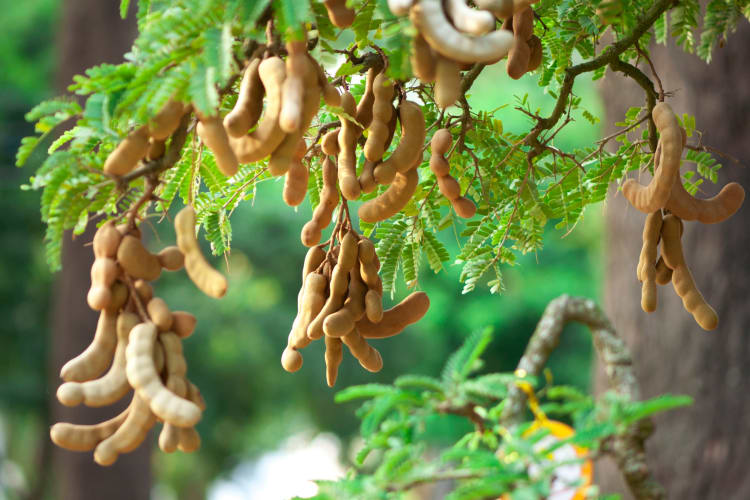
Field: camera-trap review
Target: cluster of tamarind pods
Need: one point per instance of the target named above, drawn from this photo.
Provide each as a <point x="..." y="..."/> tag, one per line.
<point x="137" y="345"/>
<point x="667" y="204"/>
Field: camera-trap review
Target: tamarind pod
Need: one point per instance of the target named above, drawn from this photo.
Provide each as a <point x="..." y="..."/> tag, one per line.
<point x="249" y="105"/>
<point x="384" y="173"/>
<point x="364" y="107"/>
<point x="339" y="323"/>
<point x="537" y="53"/>
<point x="392" y="124"/>
<point x="409" y="149"/>
<point x="682" y="279"/>
<point x="293" y="89"/>
<point x="646" y="270"/>
<point x="408" y="311"/>
<point x="76" y="437"/>
<point x="313" y="300"/>
<point x="347" y="159"/>
<point x="329" y="144"/>
<point x="355" y="300"/>
<point x="156" y="149"/>
<point x="400" y="7"/>
<point x="333" y="356"/>
<point x="194" y="395"/>
<point x="171" y="258"/>
<point x="284" y="155"/>
<point x="166" y="120"/>
<point x="331" y="94"/>
<point x="295" y="182"/>
<point x="206" y="278"/>
<point x="183" y="323"/>
<point x="211" y="131"/>
<point x="430" y="20"/>
<point x="112" y="385"/>
<point x="190" y="440"/>
<point x="106" y="240"/>
<point x="104" y="272"/>
<point x="441" y="142"/>
<point x="366" y="251"/>
<point x="369" y="274"/>
<point x="159" y="313"/>
<point x="367" y="182"/>
<point x="656" y="195"/>
<point x="449" y="187"/>
<point x="159" y="358"/>
<point x="144" y="290"/>
<point x="374" y="306"/>
<point x="390" y="202"/>
<point x="502" y="9"/>
<point x="119" y="296"/>
<point x="129" y="435"/>
<point x="464" y="207"/>
<point x="663" y="273"/>
<point x="262" y="141"/>
<point x="136" y="260"/>
<point x="95" y="359"/>
<point x="382" y="111"/>
<point x="468" y="20"/>
<point x="447" y="82"/>
<point x="313" y="258"/>
<point x="340" y="15"/>
<point x="128" y="153"/>
<point x="338" y="288"/>
<point x="423" y="59"/>
<point x="368" y="356"/>
<point x="329" y="198"/>
<point x="520" y="54"/>
<point x="126" y="229"/>
<point x="709" y="211"/>
<point x="291" y="359"/>
<point x="169" y="438"/>
<point x="349" y="251"/>
<point x="144" y="378"/>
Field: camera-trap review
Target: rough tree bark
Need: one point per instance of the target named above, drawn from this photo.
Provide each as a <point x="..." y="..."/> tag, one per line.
<point x="699" y="452"/>
<point x="91" y="32"/>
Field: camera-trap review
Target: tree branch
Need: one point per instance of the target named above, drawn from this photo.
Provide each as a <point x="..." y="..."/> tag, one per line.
<point x="648" y="86"/>
<point x="628" y="448"/>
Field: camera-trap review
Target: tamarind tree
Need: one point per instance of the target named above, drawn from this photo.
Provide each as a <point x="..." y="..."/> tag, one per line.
<point x="364" y="105"/>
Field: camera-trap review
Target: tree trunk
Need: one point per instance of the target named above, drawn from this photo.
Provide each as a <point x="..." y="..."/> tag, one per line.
<point x="699" y="452"/>
<point x="91" y="33"/>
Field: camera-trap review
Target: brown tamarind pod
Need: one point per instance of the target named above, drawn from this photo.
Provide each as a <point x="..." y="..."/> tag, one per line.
<point x="266" y="137"/>
<point x="156" y="149"/>
<point x="363" y="113"/>
<point x="464" y="207"/>
<point x="128" y="153"/>
<point x="390" y="202"/>
<point x="297" y="66"/>
<point x="76" y="437"/>
<point x="206" y="278"/>
<point x="144" y="290"/>
<point x="106" y="240"/>
<point x="682" y="279"/>
<point x="447" y="82"/>
<point x="166" y="121"/>
<point x="449" y="187"/>
<point x="104" y="272"/>
<point x="347" y="159"/>
<point x="503" y="9"/>
<point x="381" y="115"/>
<point x="331" y="95"/>
<point x="211" y="131"/>
<point x="159" y="357"/>
<point x="190" y="440"/>
<point x="333" y="356"/>
<point x="650" y="198"/>
<point x="349" y="251"/>
<point x="408" y="311"/>
<point x="160" y="314"/>
<point x="171" y="258"/>
<point x="295" y="182"/>
<point x="329" y="144"/>
<point x="374" y="306"/>
<point x="183" y="323"/>
<point x="520" y="54"/>
<point x="366" y="252"/>
<point x="340" y="15"/>
<point x="355" y="300"/>
<point x="291" y="360"/>
<point x="119" y="295"/>
<point x="329" y="199"/>
<point x="710" y="211"/>
<point x="663" y="273"/>
<point x="338" y="288"/>
<point x="112" y="385"/>
<point x="537" y="53"/>
<point x="646" y="270"/>
<point x="367" y="182"/>
<point x="249" y="105"/>
<point x="369" y="357"/>
<point x="129" y="435"/>
<point x="423" y="60"/>
<point x="128" y="229"/>
<point x="409" y="149"/>
<point x="313" y="300"/>
<point x="95" y="359"/>
<point x="136" y="260"/>
<point x="369" y="273"/>
<point x="468" y="20"/>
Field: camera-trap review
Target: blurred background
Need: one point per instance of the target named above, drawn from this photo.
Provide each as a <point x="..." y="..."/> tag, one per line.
<point x="266" y="433"/>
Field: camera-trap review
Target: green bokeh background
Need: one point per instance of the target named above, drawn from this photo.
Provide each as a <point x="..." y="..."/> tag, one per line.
<point x="234" y="355"/>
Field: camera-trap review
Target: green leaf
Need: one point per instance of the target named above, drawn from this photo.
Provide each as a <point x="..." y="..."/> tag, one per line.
<point x="461" y="363"/>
